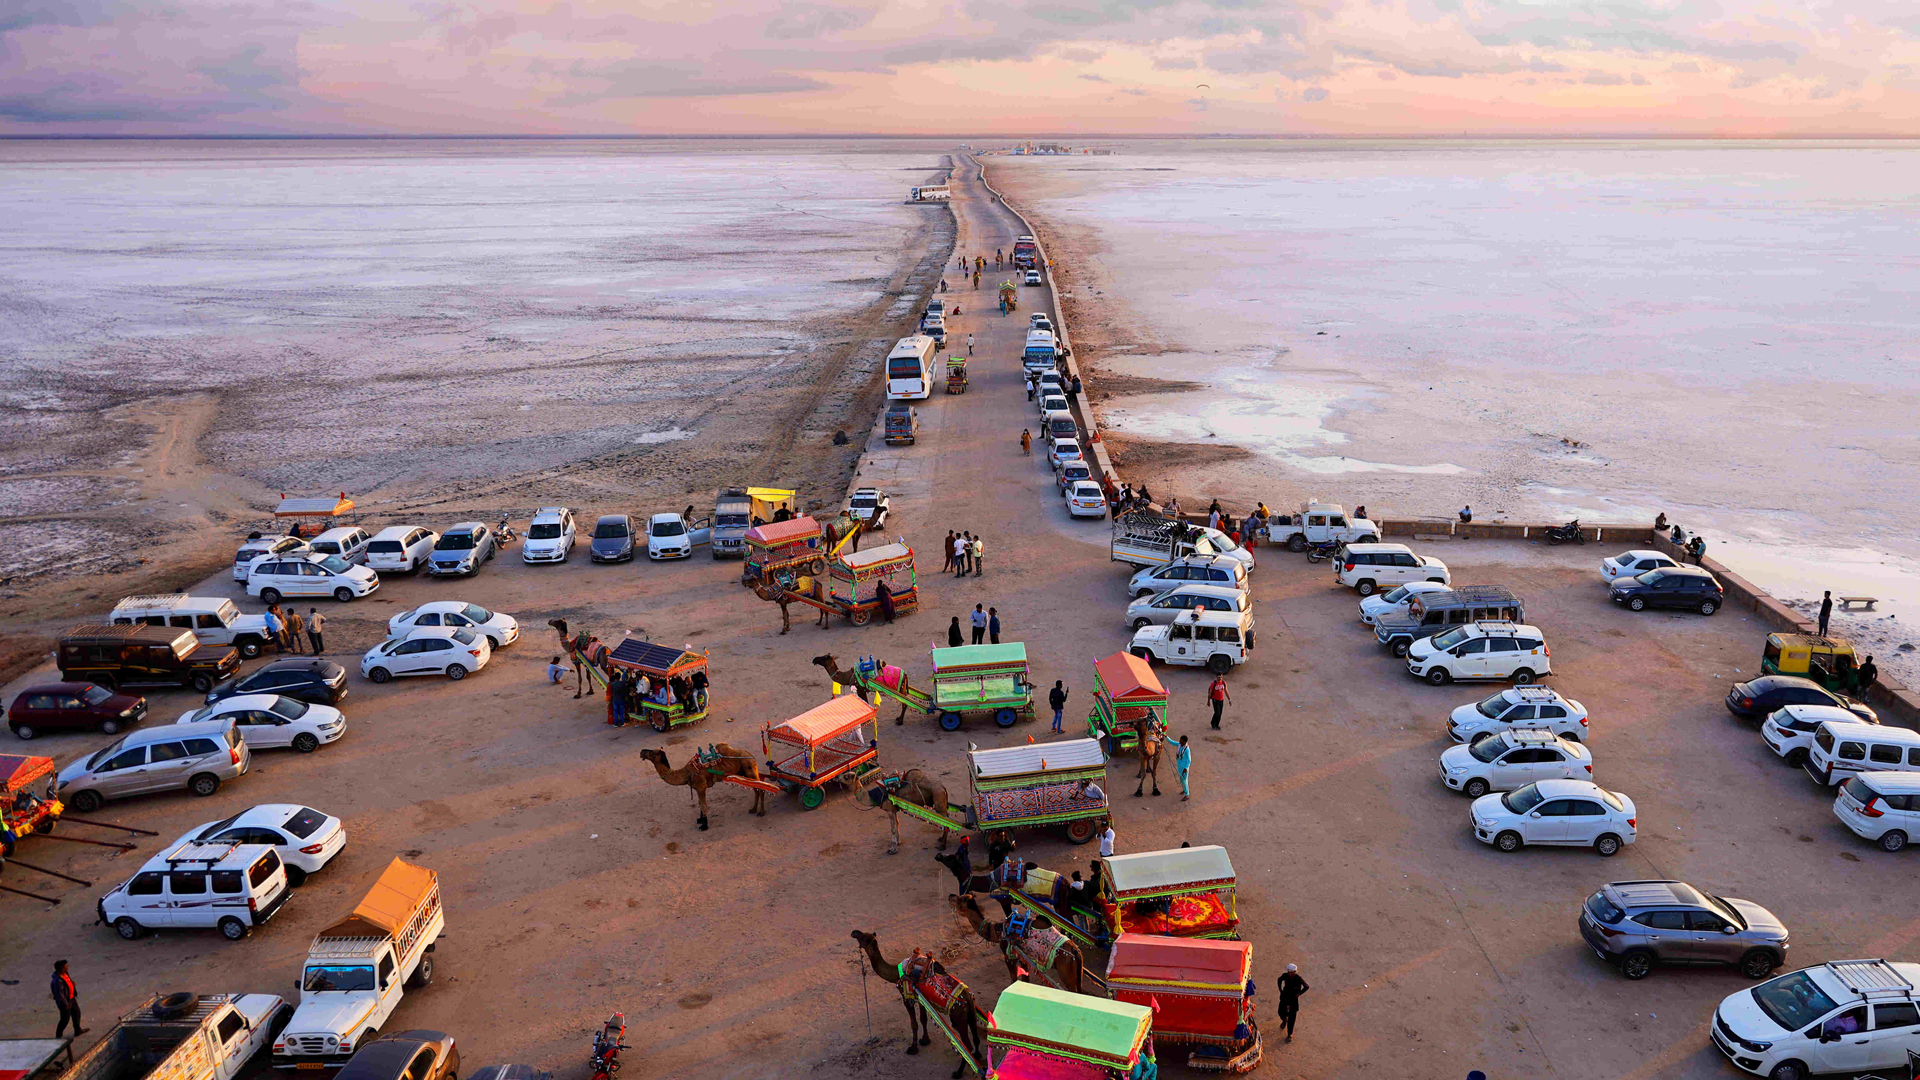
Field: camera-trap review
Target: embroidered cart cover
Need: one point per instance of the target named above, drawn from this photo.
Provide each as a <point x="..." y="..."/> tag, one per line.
<point x="1197" y="989"/>
<point x="1037" y="949"/>
<point x="1184" y="892"/>
<point x="854" y="577"/>
<point x="1125" y="689"/>
<point x="971" y="677"/>
<point x="780" y="542"/>
<point x="1049" y="1023"/>
<point x="1036" y="784"/>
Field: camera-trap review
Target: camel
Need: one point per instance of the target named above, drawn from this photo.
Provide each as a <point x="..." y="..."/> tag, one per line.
<point x="1151" y="738"/>
<point x="575" y="650"/>
<point x="915" y="787"/>
<point x="766" y="591"/>
<point x="1024" y="955"/>
<point x="699" y="778"/>
<point x="961" y="1016"/>
<point x="831" y="665"/>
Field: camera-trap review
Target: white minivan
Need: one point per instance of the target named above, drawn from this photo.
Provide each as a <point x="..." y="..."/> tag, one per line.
<point x="230" y="887"/>
<point x="1841" y="749"/>
<point x="1844" y="1016"/>
<point x="1367" y="568"/>
<point x="348" y="542"/>
<point x="1482" y="650"/>
<point x="272" y="577"/>
<point x="401" y="549"/>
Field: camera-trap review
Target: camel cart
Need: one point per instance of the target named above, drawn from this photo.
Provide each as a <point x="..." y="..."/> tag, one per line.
<point x="1037" y="785"/>
<point x="313" y="516"/>
<point x="1009" y="296"/>
<point x="682" y="670"/>
<point x="1125" y="691"/>
<point x="1183" y="892"/>
<point x="781" y="552"/>
<point x="835" y="741"/>
<point x="1201" y="994"/>
<point x="956" y="374"/>
<point x="1040" y="1033"/>
<point x="968" y="680"/>
<point x="854" y="578"/>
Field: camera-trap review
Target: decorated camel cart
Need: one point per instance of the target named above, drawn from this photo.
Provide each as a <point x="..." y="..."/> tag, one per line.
<point x="1182" y="892"/>
<point x="1125" y="692"/>
<point x="837" y="741"/>
<point x="1040" y="1033"/>
<point x="781" y="552"/>
<point x="967" y="680"/>
<point x="1200" y="991"/>
<point x="854" y="580"/>
<point x="666" y="686"/>
<point x="956" y="374"/>
<point x="1039" y="785"/>
<point x="27" y="801"/>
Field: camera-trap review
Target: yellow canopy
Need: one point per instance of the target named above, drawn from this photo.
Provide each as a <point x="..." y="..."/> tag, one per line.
<point x="388" y="905"/>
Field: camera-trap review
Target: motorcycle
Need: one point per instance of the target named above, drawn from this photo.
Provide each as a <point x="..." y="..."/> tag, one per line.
<point x="505" y="532"/>
<point x="1568" y="533"/>
<point x="607" y="1044"/>
<point x="1321" y="550"/>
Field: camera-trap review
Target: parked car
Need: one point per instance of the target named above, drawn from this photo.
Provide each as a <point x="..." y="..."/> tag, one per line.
<point x="348" y="542"/>
<point x="404" y="1055"/>
<point x="669" y="537"/>
<point x="1638" y="924"/>
<point x="1757" y="698"/>
<point x="1074" y="472"/>
<point x="1686" y="587"/>
<point x="1566" y="813"/>
<point x="462" y="549"/>
<point x="549" y="536"/>
<point x="1431" y="613"/>
<point x="870" y="506"/>
<point x="1033" y="277"/>
<point x="1789" y="729"/>
<point x="1217" y="639"/>
<point x="272" y="722"/>
<point x="1176" y="601"/>
<point x="1202" y="569"/>
<point x="138" y="655"/>
<point x="1482" y="650"/>
<point x="1394" y="601"/>
<point x="257" y="545"/>
<point x="172" y="757"/>
<point x="73" y="706"/>
<point x="1039" y="320"/>
<point x="305" y="839"/>
<point x="501" y="629"/>
<point x="1815" y="1021"/>
<point x="1519" y="706"/>
<point x="214" y="620"/>
<point x="272" y="578"/>
<point x="314" y="681"/>
<point x="1064" y="450"/>
<point x="1052" y="403"/>
<point x="1085" y="500"/>
<point x="612" y="539"/>
<point x="1367" y="568"/>
<point x="1505" y="760"/>
<point x="1059" y="426"/>
<point x="429" y="650"/>
<point x="231" y="888"/>
<point x="1631" y="564"/>
<point x="401" y="549"/>
<point x="1844" y="748"/>
<point x="1883" y="807"/>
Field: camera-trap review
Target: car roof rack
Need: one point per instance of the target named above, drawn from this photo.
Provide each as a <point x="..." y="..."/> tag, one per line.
<point x="208" y="853"/>
<point x="1870" y="977"/>
<point x="1534" y="693"/>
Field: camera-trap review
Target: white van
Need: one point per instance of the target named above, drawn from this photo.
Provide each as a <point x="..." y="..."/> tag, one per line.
<point x="1883" y="807"/>
<point x="1217" y="639"/>
<point x="214" y="620"/>
<point x="401" y="549"/>
<point x="309" y="575"/>
<point x="231" y="887"/>
<point x="1367" y="568"/>
<point x="349" y="542"/>
<point x="1815" y="1021"/>
<point x="1842" y="749"/>
<point x="910" y="369"/>
<point x="257" y="545"/>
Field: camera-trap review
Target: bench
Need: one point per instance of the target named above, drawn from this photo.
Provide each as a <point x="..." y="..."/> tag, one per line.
<point x="1866" y="602"/>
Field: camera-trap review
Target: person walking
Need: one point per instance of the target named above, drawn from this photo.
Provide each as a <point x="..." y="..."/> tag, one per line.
<point x="276" y="629"/>
<point x="66" y="998"/>
<point x="1182" y="761"/>
<point x="315" y="622"/>
<point x="979" y="623"/>
<point x="993" y="626"/>
<point x="1291" y="987"/>
<point x="979" y="549"/>
<point x="1057" y="701"/>
<point x="946" y="553"/>
<point x="969" y="344"/>
<point x="1106" y="841"/>
<point x="1826" y="611"/>
<point x="1867" y="673"/>
<point x="296" y="629"/>
<point x="1217" y="693"/>
<point x="1026" y="441"/>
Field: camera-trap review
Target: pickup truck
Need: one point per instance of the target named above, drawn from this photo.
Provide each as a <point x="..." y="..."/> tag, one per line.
<point x="214" y="620"/>
<point x="1320" y="523"/>
<point x="1143" y="538"/>
<point x="356" y="968"/>
<point x="183" y="1037"/>
<point x="732" y="517"/>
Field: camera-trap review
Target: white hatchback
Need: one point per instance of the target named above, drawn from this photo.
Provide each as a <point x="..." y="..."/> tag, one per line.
<point x="274" y="576"/>
<point x="1085" y="500"/>
<point x="1519" y="706"/>
<point x="273" y="721"/>
<point x="1395" y="600"/>
<point x="1481" y="650"/>
<point x="430" y="650"/>
<point x="1631" y="564"/>
<point x="1789" y="729"/>
<point x="501" y="629"/>
<point x="667" y="537"/>
<point x="304" y="838"/>
<point x="401" y="549"/>
<point x="1064" y="450"/>
<point x="1564" y="813"/>
<point x="1513" y="759"/>
<point x="549" y="536"/>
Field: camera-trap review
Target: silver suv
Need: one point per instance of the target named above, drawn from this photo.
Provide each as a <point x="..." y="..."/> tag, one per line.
<point x="1637" y="924"/>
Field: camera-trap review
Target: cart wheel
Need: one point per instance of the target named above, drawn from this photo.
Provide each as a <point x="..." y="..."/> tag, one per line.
<point x="949" y="721"/>
<point x="1005" y="717"/>
<point x="817" y="566"/>
<point x="859" y="617"/>
<point x="811" y="798"/>
<point x="659" y="721"/>
<point x="1081" y="831"/>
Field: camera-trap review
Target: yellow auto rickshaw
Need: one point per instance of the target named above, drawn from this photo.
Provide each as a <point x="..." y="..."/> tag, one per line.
<point x="1828" y="661"/>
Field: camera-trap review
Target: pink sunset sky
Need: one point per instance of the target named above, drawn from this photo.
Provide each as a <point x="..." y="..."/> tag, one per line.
<point x="1721" y="67"/>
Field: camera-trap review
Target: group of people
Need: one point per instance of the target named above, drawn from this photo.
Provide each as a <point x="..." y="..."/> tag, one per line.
<point x="986" y="628"/>
<point x="961" y="554"/>
<point x="287" y="627"/>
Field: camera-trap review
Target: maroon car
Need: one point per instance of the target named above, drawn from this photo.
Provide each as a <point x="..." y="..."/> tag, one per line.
<point x="68" y="706"/>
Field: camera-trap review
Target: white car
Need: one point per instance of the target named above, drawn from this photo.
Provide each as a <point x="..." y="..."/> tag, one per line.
<point x="1073" y="472"/>
<point x="549" y="536"/>
<point x="1039" y="321"/>
<point x="1064" y="450"/>
<point x="304" y="838"/>
<point x="1518" y="707"/>
<point x="1051" y="403"/>
<point x="1222" y="570"/>
<point x="1033" y="277"/>
<point x="668" y="538"/>
<point x="1368" y="568"/>
<point x="274" y="576"/>
<point x="1815" y="1021"/>
<point x="1565" y="813"/>
<point x="1631" y="564"/>
<point x="1513" y="759"/>
<point x="501" y="629"/>
<point x="1789" y="729"/>
<point x="273" y="721"/>
<point x="870" y="506"/>
<point x="1482" y="650"/>
<point x="1085" y="500"/>
<point x="265" y="545"/>
<point x="401" y="549"/>
<point x="1395" y="600"/>
<point x="349" y="542"/>
<point x="430" y="650"/>
<point x="1883" y="807"/>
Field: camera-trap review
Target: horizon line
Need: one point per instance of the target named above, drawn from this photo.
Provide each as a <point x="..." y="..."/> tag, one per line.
<point x="1053" y="137"/>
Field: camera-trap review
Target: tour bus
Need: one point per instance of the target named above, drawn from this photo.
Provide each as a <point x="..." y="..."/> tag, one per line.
<point x="931" y="193"/>
<point x="910" y="369"/>
<point x="1025" y="252"/>
<point x="1040" y="351"/>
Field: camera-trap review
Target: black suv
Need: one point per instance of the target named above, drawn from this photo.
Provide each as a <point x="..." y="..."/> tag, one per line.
<point x="1687" y="587"/>
<point x="116" y="656"/>
<point x="317" y="682"/>
<point x="1757" y="698"/>
<point x="1429" y="613"/>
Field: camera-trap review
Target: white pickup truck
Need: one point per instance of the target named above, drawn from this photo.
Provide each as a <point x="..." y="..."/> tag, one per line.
<point x="356" y="969"/>
<point x="1143" y="538"/>
<point x="214" y="620"/>
<point x="1320" y="523"/>
<point x="183" y="1037"/>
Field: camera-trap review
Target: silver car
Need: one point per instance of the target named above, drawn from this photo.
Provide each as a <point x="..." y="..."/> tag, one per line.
<point x="1637" y="924"/>
<point x="1161" y="610"/>
<point x="190" y="757"/>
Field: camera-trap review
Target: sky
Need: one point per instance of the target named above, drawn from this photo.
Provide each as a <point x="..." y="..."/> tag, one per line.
<point x="1019" y="67"/>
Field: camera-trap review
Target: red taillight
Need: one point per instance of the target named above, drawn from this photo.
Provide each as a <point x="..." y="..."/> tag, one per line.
<point x="1746" y="703"/>
<point x="475" y="653"/>
<point x="1869" y="811"/>
<point x="1349" y="566"/>
<point x="1583" y="721"/>
<point x="315" y="849"/>
<point x="1610" y="932"/>
<point x="1589" y="770"/>
<point x="253" y="904"/>
<point x="1633" y="823"/>
<point x="1549" y="651"/>
<point x="234" y="753"/>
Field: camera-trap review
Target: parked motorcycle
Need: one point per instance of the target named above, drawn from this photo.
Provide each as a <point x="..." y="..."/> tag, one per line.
<point x="1566" y="534"/>
<point x="505" y="533"/>
<point x="607" y="1044"/>
<point x="1322" y="550"/>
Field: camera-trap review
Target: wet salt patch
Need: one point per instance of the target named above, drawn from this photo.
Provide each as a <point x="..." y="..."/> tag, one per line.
<point x="650" y="438"/>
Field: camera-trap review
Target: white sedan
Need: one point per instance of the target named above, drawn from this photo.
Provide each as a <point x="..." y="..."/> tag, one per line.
<point x="1085" y="500"/>
<point x="501" y="629"/>
<point x="1631" y="564"/>
<point x="1513" y="759"/>
<point x="1064" y="450"/>
<point x="306" y="839"/>
<point x="1395" y="600"/>
<point x="1568" y="813"/>
<point x="270" y="721"/>
<point x="429" y="650"/>
<point x="667" y="537"/>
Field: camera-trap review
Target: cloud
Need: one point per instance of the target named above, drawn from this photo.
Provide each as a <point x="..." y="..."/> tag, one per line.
<point x="797" y="21"/>
<point x="1091" y="77"/>
<point x="680" y="79"/>
<point x="1639" y="79"/>
<point x="1197" y="104"/>
<point x="1313" y="93"/>
<point x="1177" y="64"/>
<point x="1081" y="55"/>
<point x="1604" y="78"/>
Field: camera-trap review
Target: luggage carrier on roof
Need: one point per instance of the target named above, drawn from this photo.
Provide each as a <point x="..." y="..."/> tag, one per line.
<point x="1870" y="977"/>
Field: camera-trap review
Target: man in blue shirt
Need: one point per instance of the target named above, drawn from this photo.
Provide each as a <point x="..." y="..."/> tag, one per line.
<point x="1182" y="761"/>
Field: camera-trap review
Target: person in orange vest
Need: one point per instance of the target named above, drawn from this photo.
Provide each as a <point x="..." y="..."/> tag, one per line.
<point x="66" y="998"/>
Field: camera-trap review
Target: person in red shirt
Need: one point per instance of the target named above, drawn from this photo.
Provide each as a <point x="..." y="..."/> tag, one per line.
<point x="66" y="998"/>
<point x="1217" y="693"/>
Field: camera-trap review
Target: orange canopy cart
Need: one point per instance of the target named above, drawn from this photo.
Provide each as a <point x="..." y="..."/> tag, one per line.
<point x="836" y="741"/>
<point x="1125" y="691"/>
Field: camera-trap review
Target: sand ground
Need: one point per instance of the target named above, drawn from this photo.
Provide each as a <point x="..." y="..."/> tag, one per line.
<point x="576" y="883"/>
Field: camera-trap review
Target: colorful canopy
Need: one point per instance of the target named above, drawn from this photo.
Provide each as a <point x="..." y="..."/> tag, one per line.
<point x="388" y="905"/>
<point x="885" y="553"/>
<point x="1150" y="959"/>
<point x="822" y="722"/>
<point x="1071" y="1025"/>
<point x="769" y="494"/>
<point x="776" y="533"/>
<point x="1037" y="758"/>
<point x="979" y="657"/>
<point x="1128" y="678"/>
<point x="1170" y="871"/>
<point x="645" y="656"/>
<point x="17" y="771"/>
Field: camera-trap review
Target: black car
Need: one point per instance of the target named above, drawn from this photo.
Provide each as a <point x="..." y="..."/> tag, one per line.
<point x="1687" y="587"/>
<point x="1756" y="699"/>
<point x="405" y="1055"/>
<point x="316" y="682"/>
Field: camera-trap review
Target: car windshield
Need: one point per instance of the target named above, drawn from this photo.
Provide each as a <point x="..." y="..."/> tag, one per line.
<point x="669" y="528"/>
<point x="1602" y="909"/>
<point x="96" y="695"/>
<point x="1398" y="594"/>
<point x="1612" y="799"/>
<point x="610" y="530"/>
<point x="1221" y="541"/>
<point x="1732" y="914"/>
<point x="455" y="542"/>
<point x="1522" y="800"/>
<point x="339" y="977"/>
<point x="1488" y="749"/>
<point x="1651" y="577"/>
<point x="544" y="530"/>
<point x="1492" y="707"/>
<point x="727" y="521"/>
<point x="1861" y="792"/>
<point x="214" y="829"/>
<point x="861" y="503"/>
<point x="94" y="761"/>
<point x="476" y="613"/>
<point x="1451" y="638"/>
<point x="1793" y="1001"/>
<point x="334" y="564"/>
<point x="291" y="708"/>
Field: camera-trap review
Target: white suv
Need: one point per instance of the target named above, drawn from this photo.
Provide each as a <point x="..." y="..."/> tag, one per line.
<point x="1395" y="600"/>
<point x="1519" y="706"/>
<point x="1789" y="729"/>
<point x="1883" y="807"/>
<point x="1368" y="568"/>
<point x="1563" y="813"/>
<point x="1816" y="1020"/>
<point x="1513" y="759"/>
<point x="549" y="536"/>
<point x="1481" y="650"/>
<point x="401" y="548"/>
<point x="272" y="577"/>
<point x="226" y="886"/>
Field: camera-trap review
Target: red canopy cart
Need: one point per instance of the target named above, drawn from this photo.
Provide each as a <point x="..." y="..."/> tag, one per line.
<point x="1200" y="991"/>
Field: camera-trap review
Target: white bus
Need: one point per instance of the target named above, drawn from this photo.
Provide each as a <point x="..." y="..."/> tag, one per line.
<point x="910" y="369"/>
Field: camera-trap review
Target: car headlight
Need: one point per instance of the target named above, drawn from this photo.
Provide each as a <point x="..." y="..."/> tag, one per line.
<point x="1456" y="770"/>
<point x="1483" y="824"/>
<point x="1756" y="1047"/>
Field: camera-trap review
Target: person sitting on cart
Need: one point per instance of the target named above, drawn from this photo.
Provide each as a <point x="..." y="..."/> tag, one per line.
<point x="884" y="597"/>
<point x="1090" y="790"/>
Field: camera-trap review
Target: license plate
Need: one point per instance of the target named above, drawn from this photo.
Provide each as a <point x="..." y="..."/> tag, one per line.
<point x="311" y="1065"/>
